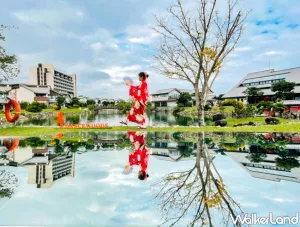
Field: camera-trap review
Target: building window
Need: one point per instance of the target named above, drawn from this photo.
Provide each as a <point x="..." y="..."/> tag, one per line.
<point x="265" y="80"/>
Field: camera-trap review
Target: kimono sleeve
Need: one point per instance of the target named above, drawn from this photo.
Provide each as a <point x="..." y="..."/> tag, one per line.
<point x="144" y="97"/>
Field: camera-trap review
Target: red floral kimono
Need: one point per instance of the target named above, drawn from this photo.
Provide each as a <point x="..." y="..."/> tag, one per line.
<point x="140" y="156"/>
<point x="140" y="96"/>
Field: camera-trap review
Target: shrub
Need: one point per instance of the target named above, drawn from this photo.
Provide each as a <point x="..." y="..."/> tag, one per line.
<point x="75" y="105"/>
<point x="207" y="107"/>
<point x="90" y="107"/>
<point x="43" y="105"/>
<point x="218" y="117"/>
<point x="272" y="121"/>
<point x="221" y="123"/>
<point x="24" y="105"/>
<point x="55" y="107"/>
<point x="177" y="110"/>
<point x="34" y="107"/>
<point x="229" y="102"/>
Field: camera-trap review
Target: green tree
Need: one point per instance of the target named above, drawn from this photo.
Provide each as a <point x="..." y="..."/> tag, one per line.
<point x="252" y="94"/>
<point x="124" y="106"/>
<point x="75" y="101"/>
<point x="9" y="67"/>
<point x="33" y="142"/>
<point x="184" y="100"/>
<point x="60" y="100"/>
<point x="90" y="102"/>
<point x="283" y="89"/>
<point x="279" y="107"/>
<point x="256" y="157"/>
<point x="287" y="162"/>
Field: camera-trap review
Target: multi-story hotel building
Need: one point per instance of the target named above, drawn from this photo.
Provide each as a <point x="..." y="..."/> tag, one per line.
<point x="46" y="74"/>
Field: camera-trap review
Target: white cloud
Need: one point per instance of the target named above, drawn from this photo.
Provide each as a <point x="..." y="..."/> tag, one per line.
<point x="94" y="208"/>
<point x="283" y="200"/>
<point x="49" y="17"/>
<point x="273" y="52"/>
<point x="243" y="49"/>
<point x="142" y="34"/>
<point x="97" y="46"/>
<point x="51" y="20"/>
<point x="118" y="72"/>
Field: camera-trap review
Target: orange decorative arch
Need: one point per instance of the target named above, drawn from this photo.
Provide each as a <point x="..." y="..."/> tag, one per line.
<point x="14" y="145"/>
<point x="17" y="108"/>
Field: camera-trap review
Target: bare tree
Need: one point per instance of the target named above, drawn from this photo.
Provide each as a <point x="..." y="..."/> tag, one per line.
<point x="9" y="67"/>
<point x="8" y="183"/>
<point x="198" y="193"/>
<point x="195" y="43"/>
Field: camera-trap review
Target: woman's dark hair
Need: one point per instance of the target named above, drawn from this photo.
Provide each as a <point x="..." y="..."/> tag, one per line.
<point x="144" y="75"/>
<point x="143" y="176"/>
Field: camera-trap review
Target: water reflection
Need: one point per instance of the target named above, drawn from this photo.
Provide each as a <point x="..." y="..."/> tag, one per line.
<point x="138" y="155"/>
<point x="195" y="178"/>
<point x="199" y="191"/>
<point x="112" y="118"/>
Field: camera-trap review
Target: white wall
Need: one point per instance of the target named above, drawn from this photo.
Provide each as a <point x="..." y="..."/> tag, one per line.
<point x="174" y="92"/>
<point x="20" y="155"/>
<point x="171" y="104"/>
<point x="22" y="95"/>
<point x="33" y="76"/>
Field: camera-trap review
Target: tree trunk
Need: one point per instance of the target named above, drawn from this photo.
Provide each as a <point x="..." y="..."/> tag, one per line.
<point x="200" y="106"/>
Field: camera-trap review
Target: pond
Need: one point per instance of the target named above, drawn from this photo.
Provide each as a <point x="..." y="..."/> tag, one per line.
<point x="148" y="179"/>
<point x="113" y="119"/>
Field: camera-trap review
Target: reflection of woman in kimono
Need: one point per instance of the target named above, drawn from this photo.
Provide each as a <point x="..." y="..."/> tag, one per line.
<point x="140" y="155"/>
<point x="140" y="96"/>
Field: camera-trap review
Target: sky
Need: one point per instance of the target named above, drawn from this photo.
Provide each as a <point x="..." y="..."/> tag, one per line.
<point x="102" y="41"/>
<point x="100" y="194"/>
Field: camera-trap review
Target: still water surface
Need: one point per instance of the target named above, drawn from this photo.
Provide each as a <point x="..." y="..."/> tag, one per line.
<point x="113" y="119"/>
<point x="80" y="179"/>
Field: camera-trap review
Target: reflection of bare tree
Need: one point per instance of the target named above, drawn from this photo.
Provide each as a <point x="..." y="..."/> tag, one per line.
<point x="8" y="182"/>
<point x="199" y="192"/>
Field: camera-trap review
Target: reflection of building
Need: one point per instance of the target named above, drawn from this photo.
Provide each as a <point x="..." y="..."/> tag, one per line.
<point x="44" y="167"/>
<point x="44" y="175"/>
<point x="266" y="169"/>
<point x="165" y="148"/>
<point x="46" y="74"/>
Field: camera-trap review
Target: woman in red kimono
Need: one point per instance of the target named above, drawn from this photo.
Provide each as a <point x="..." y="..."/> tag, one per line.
<point x="140" y="155"/>
<point x="140" y="97"/>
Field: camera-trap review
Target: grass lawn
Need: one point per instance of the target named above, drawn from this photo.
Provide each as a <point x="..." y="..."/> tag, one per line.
<point x="38" y="131"/>
<point x="261" y="120"/>
<point x="71" y="110"/>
